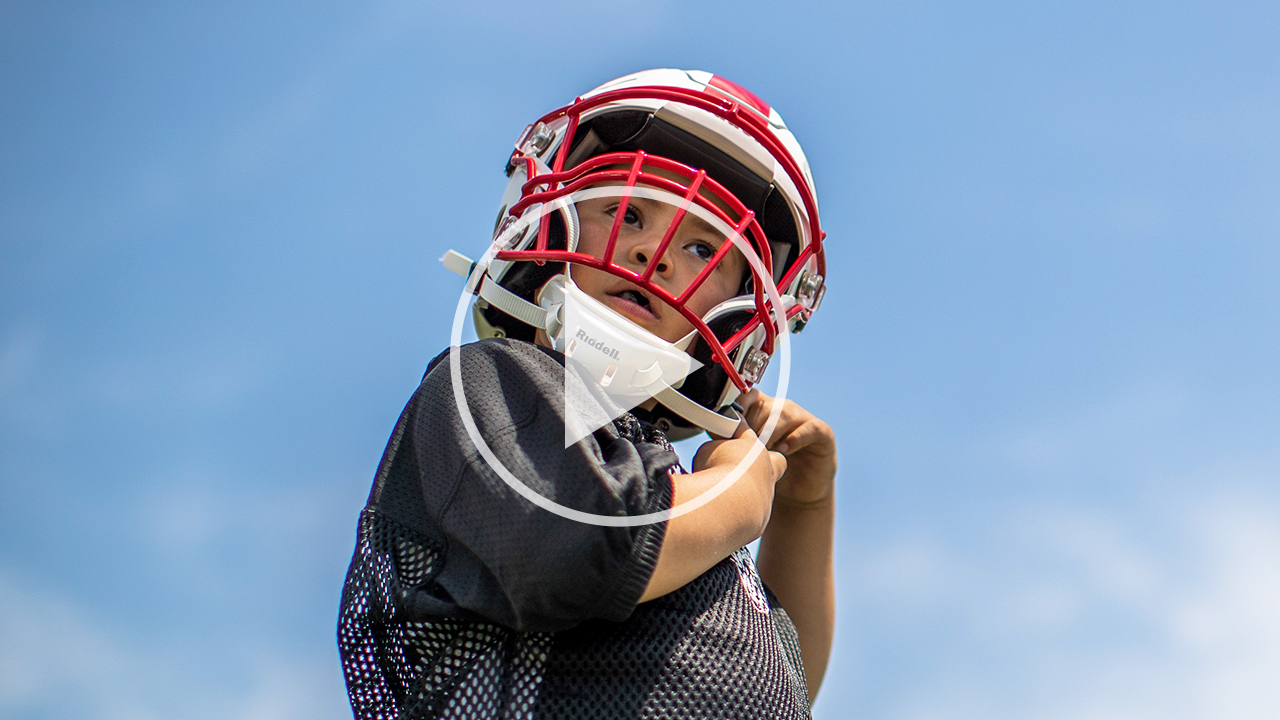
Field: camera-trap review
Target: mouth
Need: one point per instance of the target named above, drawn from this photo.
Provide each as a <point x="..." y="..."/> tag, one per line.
<point x="635" y="303"/>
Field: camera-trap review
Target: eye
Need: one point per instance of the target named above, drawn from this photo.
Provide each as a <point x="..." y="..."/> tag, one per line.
<point x="631" y="217"/>
<point x="705" y="251"/>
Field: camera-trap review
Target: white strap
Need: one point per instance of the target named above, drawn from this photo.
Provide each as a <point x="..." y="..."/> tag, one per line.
<point x="709" y="420"/>
<point x="512" y="304"/>
<point x="495" y="294"/>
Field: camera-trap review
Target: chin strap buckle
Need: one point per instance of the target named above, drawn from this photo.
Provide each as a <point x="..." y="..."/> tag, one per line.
<point x="457" y="263"/>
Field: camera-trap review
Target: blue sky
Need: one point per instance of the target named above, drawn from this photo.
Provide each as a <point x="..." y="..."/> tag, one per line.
<point x="1048" y="349"/>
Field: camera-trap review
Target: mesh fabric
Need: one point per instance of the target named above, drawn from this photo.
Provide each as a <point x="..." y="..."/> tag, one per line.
<point x="720" y="647"/>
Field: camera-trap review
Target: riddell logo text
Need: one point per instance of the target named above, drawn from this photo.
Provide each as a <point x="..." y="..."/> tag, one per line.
<point x="597" y="344"/>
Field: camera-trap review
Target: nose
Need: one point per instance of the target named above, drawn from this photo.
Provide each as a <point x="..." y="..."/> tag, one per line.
<point x="644" y="249"/>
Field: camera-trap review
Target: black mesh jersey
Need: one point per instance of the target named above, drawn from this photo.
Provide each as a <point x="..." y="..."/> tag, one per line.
<point x="465" y="600"/>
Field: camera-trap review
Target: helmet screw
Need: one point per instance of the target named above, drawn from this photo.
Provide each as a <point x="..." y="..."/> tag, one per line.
<point x="540" y="138"/>
<point x="811" y="290"/>
<point x="753" y="366"/>
<point x="505" y="238"/>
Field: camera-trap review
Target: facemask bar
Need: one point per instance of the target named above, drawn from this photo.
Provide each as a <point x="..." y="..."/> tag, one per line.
<point x="544" y="147"/>
<point x="688" y="196"/>
<point x="742" y="116"/>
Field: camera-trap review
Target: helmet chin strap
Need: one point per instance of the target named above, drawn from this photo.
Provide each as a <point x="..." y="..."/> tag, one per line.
<point x="629" y="363"/>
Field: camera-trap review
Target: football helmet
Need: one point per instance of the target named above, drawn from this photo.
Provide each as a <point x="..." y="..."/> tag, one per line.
<point x="683" y="146"/>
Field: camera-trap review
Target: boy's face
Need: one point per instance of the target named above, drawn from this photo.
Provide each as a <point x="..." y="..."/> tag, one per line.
<point x="643" y="225"/>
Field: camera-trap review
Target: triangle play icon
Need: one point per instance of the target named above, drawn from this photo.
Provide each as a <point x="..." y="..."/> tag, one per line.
<point x="612" y="364"/>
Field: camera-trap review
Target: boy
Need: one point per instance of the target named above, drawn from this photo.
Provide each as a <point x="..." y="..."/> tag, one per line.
<point x="655" y="237"/>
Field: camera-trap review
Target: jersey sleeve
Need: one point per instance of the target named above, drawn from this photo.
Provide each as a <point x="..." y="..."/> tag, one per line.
<point x="504" y="558"/>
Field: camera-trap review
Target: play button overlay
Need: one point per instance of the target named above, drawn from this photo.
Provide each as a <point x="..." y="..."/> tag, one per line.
<point x="592" y="404"/>
<point x="612" y="364"/>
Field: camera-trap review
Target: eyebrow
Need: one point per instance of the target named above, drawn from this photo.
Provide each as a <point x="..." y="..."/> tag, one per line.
<point x="690" y="217"/>
<point x="704" y="225"/>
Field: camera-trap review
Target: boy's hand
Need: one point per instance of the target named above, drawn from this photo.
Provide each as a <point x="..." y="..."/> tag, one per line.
<point x="808" y="444"/>
<point x="758" y="481"/>
<point x="698" y="540"/>
<point x="730" y="451"/>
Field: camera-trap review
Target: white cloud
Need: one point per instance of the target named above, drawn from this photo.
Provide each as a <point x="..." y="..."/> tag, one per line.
<point x="1076" y="614"/>
<point x="1228" y="627"/>
<point x="51" y="656"/>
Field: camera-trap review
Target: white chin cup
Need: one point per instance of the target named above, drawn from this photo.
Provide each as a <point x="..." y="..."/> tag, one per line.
<point x="629" y="362"/>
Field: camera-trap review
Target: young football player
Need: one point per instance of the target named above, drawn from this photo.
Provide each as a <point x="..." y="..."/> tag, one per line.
<point x="532" y="547"/>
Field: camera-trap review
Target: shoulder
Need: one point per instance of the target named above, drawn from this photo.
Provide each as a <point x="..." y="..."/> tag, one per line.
<point x="503" y="382"/>
<point x="497" y="355"/>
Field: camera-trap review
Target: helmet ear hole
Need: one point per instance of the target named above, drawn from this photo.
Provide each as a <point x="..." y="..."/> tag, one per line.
<point x="489" y="321"/>
<point x="525" y="279"/>
<point x="706" y="385"/>
<point x="497" y="324"/>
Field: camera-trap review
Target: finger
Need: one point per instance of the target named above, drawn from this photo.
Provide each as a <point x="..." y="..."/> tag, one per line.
<point x="704" y="452"/>
<point x="812" y="435"/>
<point x="785" y="426"/>
<point x="752" y="404"/>
<point x="790" y="418"/>
<point x="759" y="412"/>
<point x="752" y="397"/>
<point x="744" y="429"/>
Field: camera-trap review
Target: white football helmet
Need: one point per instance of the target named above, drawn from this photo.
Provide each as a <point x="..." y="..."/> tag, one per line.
<point x="692" y="140"/>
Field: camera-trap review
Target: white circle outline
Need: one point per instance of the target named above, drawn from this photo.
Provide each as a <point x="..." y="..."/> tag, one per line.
<point x="464" y="411"/>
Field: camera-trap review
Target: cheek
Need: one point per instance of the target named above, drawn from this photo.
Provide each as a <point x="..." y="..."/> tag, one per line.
<point x="716" y="290"/>
<point x="593" y="236"/>
<point x="589" y="280"/>
<point x="675" y="327"/>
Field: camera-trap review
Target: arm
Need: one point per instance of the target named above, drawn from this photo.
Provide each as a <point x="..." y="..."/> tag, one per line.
<point x="505" y="558"/>
<point x="795" y="558"/>
<point x="697" y="540"/>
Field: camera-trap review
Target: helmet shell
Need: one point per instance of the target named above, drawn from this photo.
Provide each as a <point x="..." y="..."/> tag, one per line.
<point x="705" y="130"/>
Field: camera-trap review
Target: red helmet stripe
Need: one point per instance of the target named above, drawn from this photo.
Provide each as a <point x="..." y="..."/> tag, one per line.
<point x="740" y="93"/>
